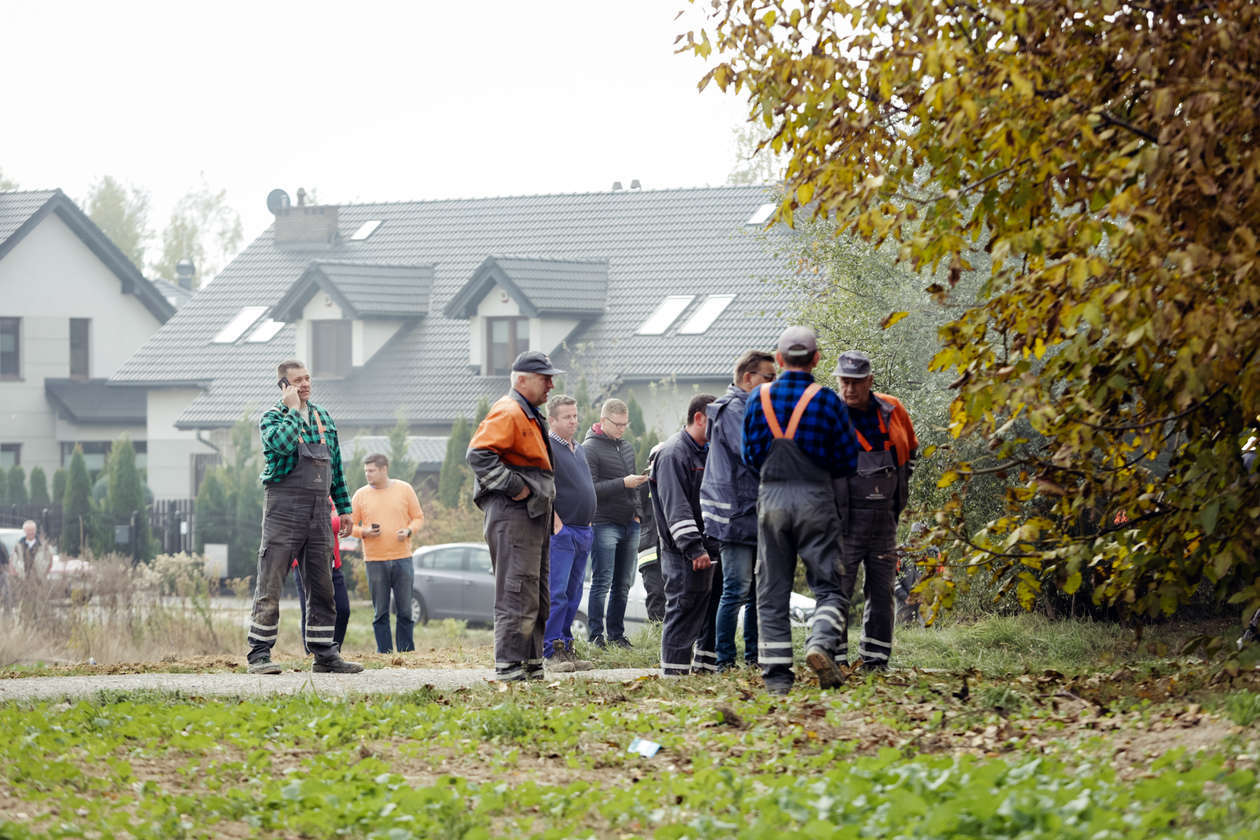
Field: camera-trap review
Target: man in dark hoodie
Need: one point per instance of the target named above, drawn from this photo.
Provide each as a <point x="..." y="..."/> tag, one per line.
<point x="618" y="514"/>
<point x="688" y="557"/>
<point x="728" y="502"/>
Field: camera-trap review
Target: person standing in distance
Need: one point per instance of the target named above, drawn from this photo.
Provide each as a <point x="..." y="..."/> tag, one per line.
<point x="386" y="513"/>
<point x="618" y="514"/>
<point x="728" y="501"/>
<point x="302" y="469"/>
<point x="510" y="455"/>
<point x="876" y="494"/>
<point x="571" y="534"/>
<point x="798" y="439"/>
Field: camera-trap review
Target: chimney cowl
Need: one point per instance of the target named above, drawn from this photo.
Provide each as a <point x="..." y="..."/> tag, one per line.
<point x="185" y="274"/>
<point x="616" y="186"/>
<point x="635" y="185"/>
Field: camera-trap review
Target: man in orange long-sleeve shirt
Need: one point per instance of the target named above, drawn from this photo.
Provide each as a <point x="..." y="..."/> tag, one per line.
<point x="386" y="513"/>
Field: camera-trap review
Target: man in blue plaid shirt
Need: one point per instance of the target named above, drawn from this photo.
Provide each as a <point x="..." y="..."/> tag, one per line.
<point x="798" y="438"/>
<point x="303" y="467"/>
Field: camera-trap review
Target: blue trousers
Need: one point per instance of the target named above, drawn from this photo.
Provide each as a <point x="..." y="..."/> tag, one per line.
<point x="738" y="560"/>
<point x="385" y="578"/>
<point x="341" y="599"/>
<point x="614" y="557"/>
<point x="569" y="551"/>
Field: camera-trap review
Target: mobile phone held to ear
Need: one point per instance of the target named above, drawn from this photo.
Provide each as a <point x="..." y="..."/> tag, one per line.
<point x="283" y="383"/>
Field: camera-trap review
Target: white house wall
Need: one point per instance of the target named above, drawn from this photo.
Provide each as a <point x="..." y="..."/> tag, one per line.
<point x="370" y="336"/>
<point x="171" y="449"/>
<point x="48" y="278"/>
<point x="664" y="404"/>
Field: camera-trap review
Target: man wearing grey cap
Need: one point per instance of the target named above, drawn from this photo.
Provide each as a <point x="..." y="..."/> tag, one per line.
<point x="871" y="500"/>
<point x="510" y="454"/>
<point x="798" y="438"/>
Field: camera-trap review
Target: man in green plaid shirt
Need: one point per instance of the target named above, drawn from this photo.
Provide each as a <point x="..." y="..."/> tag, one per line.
<point x="303" y="468"/>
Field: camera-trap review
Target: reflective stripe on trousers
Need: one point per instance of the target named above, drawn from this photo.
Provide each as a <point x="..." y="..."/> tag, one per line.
<point x="796" y="516"/>
<point x="687" y="637"/>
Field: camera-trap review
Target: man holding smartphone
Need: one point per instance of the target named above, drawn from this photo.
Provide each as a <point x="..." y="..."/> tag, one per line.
<point x="386" y="514"/>
<point x="302" y="470"/>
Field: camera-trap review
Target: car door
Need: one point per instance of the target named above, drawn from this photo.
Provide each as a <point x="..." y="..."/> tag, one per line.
<point x="440" y="577"/>
<point x="479" y="593"/>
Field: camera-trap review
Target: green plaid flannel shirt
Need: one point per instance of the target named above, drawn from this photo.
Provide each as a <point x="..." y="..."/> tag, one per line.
<point x="281" y="429"/>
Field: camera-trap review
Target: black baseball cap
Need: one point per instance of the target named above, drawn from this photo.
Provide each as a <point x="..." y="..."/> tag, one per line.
<point x="533" y="361"/>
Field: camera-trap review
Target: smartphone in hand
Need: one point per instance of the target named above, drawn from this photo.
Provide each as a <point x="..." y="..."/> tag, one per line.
<point x="283" y="383"/>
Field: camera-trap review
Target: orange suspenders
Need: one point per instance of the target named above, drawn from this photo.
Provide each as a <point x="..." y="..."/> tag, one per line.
<point x="883" y="429"/>
<point x="795" y="420"/>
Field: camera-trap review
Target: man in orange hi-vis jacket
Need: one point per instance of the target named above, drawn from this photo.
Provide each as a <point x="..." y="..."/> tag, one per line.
<point x="510" y="454"/>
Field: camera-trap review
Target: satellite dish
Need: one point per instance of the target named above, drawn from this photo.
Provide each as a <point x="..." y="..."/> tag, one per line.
<point x="277" y="201"/>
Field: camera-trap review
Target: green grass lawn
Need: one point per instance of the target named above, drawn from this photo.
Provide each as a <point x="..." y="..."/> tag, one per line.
<point x="1004" y="728"/>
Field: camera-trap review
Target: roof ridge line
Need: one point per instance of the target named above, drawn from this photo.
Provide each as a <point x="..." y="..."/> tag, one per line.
<point x="719" y="187"/>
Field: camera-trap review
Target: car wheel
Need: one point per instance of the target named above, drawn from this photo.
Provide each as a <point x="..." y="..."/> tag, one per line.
<point x="419" y="612"/>
<point x="579" y="626"/>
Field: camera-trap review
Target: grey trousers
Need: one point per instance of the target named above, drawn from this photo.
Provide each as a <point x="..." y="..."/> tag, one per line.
<point x="520" y="554"/>
<point x="871" y="542"/>
<point x="295" y="525"/>
<point x="688" y="635"/>
<point x="797" y="519"/>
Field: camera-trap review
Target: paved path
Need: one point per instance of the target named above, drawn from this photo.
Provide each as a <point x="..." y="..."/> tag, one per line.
<point x="374" y="681"/>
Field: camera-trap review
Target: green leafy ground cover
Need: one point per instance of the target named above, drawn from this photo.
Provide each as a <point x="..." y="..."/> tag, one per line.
<point x="1149" y="747"/>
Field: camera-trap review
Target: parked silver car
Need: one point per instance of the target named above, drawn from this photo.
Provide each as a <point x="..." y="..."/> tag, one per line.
<point x="453" y="580"/>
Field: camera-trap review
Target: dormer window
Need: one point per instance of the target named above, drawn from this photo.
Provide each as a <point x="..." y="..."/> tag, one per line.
<point x="331" y="348"/>
<point x="506" y="338"/>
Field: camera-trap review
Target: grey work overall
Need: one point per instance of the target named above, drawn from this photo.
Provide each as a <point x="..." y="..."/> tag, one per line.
<point x="870" y="541"/>
<point x="688" y="633"/>
<point x="296" y="524"/>
<point x="520" y="551"/>
<point x="796" y="515"/>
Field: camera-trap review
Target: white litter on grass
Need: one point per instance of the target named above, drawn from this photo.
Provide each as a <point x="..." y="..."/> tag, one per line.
<point x="644" y="747"/>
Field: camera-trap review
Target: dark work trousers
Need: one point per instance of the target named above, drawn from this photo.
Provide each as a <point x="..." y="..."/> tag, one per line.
<point x="654" y="586"/>
<point x="519" y="548"/>
<point x="871" y="542"/>
<point x="295" y="524"/>
<point x="341" y="600"/>
<point x="689" y="623"/>
<point x="796" y="515"/>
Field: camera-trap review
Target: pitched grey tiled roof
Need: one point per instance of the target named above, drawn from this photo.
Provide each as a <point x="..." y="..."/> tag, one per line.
<point x="425" y="452"/>
<point x="365" y="290"/>
<point x="656" y="243"/>
<point x="96" y="401"/>
<point x="175" y="294"/>
<point x="539" y="286"/>
<point x="17" y="207"/>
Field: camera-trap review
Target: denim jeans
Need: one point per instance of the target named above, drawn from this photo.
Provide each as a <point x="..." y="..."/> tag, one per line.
<point x="569" y="551"/>
<point x="386" y="577"/>
<point x="613" y="561"/>
<point x="738" y="561"/>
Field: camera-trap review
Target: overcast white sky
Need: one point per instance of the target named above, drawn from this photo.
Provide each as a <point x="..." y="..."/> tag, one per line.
<point x="363" y="101"/>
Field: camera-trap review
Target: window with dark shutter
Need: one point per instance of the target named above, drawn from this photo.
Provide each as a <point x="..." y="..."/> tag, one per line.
<point x="506" y="338"/>
<point x="80" y="347"/>
<point x="330" y="348"/>
<point x="10" y="348"/>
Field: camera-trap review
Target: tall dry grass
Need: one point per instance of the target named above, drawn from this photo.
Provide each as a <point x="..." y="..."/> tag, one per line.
<point x="114" y="611"/>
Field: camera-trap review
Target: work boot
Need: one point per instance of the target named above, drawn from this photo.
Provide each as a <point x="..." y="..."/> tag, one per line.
<point x="825" y="667"/>
<point x="571" y="655"/>
<point x="335" y="665"/>
<point x="560" y="662"/>
<point x="621" y="642"/>
<point x="779" y="688"/>
<point x="264" y="666"/>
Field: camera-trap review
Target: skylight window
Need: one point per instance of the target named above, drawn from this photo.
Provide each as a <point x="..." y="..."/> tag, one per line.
<point x="265" y="331"/>
<point x="365" y="230"/>
<point x="761" y="215"/>
<point x="706" y="313"/>
<point x="665" y="314"/>
<point x="239" y="323"/>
